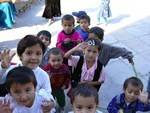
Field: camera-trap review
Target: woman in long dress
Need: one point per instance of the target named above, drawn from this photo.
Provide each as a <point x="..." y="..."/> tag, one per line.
<point x="52" y="9"/>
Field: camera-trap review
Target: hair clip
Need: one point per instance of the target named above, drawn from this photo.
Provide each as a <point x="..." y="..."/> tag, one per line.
<point x="91" y="42"/>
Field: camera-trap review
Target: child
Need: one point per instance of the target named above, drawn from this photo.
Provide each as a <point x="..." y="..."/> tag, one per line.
<point x="30" y="50"/>
<point x="84" y="21"/>
<point x="87" y="68"/>
<point x="78" y="15"/>
<point x="68" y="37"/>
<point x="128" y="101"/>
<point x="21" y="85"/>
<point x="59" y="76"/>
<point x="45" y="37"/>
<point x="109" y="52"/>
<point x="85" y="99"/>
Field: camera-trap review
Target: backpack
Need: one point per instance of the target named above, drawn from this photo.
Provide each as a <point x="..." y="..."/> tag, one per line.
<point x="76" y="74"/>
<point x="122" y="106"/>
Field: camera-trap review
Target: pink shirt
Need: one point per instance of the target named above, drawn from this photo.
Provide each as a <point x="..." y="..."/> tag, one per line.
<point x="87" y="74"/>
<point x="74" y="36"/>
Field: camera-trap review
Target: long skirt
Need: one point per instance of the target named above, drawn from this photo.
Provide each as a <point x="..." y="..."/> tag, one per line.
<point x="52" y="9"/>
<point x="7" y="14"/>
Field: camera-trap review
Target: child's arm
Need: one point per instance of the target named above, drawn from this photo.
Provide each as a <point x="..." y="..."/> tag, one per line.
<point x="113" y="106"/>
<point x="79" y="47"/>
<point x="6" y="58"/>
<point x="115" y="52"/>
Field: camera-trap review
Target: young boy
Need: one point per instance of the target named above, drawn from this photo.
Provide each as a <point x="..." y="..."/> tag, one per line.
<point x="128" y="101"/>
<point x="45" y="37"/>
<point x="59" y="76"/>
<point x="78" y="15"/>
<point x="85" y="99"/>
<point x="83" y="29"/>
<point x="107" y="50"/>
<point x="22" y="98"/>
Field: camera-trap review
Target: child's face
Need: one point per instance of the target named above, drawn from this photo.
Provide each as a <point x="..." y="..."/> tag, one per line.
<point x="84" y="24"/>
<point x="55" y="60"/>
<point x="24" y="94"/>
<point x="84" y="104"/>
<point x="68" y="26"/>
<point x="91" y="52"/>
<point x="32" y="56"/>
<point x="92" y="35"/>
<point x="45" y="40"/>
<point x="131" y="93"/>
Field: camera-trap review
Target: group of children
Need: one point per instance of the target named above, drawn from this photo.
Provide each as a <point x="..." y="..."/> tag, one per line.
<point x="76" y="63"/>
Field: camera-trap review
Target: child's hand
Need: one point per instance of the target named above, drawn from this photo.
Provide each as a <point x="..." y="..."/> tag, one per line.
<point x="67" y="40"/>
<point x="47" y="106"/>
<point x="63" y="87"/>
<point x="120" y="111"/>
<point x="143" y="97"/>
<point x="5" y="106"/>
<point x="6" y="58"/>
<point x="81" y="46"/>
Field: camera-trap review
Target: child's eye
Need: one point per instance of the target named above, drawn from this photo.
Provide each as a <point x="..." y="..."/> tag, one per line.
<point x="79" y="107"/>
<point x="90" y="107"/>
<point x="28" y="90"/>
<point x="38" y="53"/>
<point x="29" y="53"/>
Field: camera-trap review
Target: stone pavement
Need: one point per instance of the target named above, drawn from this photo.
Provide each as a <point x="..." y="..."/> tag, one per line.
<point x="129" y="27"/>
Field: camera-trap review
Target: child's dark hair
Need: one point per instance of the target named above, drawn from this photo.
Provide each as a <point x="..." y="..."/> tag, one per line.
<point x="86" y="17"/>
<point x="29" y="41"/>
<point x="99" y="32"/>
<point x="68" y="18"/>
<point x="84" y="90"/>
<point x="20" y="75"/>
<point x="56" y="51"/>
<point x="94" y="42"/>
<point x="45" y="33"/>
<point x="133" y="81"/>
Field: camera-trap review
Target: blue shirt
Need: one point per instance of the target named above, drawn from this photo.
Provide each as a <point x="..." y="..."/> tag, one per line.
<point x="118" y="102"/>
<point x="84" y="34"/>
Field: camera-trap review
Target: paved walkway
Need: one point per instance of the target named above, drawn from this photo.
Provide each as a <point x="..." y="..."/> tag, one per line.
<point x="129" y="27"/>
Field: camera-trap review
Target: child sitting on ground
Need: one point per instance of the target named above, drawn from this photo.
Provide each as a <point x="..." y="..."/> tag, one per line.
<point x="45" y="37"/>
<point x="85" y="99"/>
<point x="59" y="75"/>
<point x="68" y="37"/>
<point x="83" y="30"/>
<point x="109" y="52"/>
<point x="128" y="101"/>
<point x="87" y="68"/>
<point x="22" y="98"/>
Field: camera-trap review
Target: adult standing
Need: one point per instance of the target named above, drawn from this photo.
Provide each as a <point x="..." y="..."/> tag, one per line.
<point x="104" y="12"/>
<point x="52" y="10"/>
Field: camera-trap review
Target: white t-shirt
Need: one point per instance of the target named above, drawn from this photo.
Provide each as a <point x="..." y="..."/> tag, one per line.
<point x="35" y="108"/>
<point x="41" y="76"/>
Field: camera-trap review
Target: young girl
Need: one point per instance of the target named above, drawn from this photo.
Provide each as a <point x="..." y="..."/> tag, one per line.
<point x="87" y="68"/>
<point x="68" y="37"/>
<point x="45" y="37"/>
<point x="85" y="99"/>
<point x="59" y="75"/>
<point x="21" y="85"/>
<point x="30" y="50"/>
